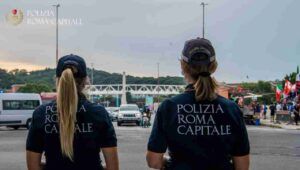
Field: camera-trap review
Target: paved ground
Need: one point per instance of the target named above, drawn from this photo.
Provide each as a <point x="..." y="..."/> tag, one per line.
<point x="275" y="149"/>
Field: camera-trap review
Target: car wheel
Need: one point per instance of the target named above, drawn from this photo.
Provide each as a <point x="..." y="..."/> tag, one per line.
<point x="28" y="124"/>
<point x="119" y="123"/>
<point x="15" y="127"/>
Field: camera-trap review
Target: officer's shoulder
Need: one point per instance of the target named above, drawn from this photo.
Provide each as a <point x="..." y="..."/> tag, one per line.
<point x="182" y="97"/>
<point x="95" y="108"/>
<point x="40" y="111"/>
<point x="231" y="108"/>
<point x="172" y="102"/>
<point x="226" y="102"/>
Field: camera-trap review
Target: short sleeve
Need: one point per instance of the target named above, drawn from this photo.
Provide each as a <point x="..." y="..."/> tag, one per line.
<point x="242" y="146"/>
<point x="108" y="136"/>
<point x="35" y="137"/>
<point x="157" y="141"/>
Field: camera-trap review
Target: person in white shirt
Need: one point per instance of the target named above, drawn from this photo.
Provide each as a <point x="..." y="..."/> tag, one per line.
<point x="278" y="107"/>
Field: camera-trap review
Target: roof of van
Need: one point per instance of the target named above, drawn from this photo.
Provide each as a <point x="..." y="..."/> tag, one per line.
<point x="128" y="105"/>
<point x="19" y="96"/>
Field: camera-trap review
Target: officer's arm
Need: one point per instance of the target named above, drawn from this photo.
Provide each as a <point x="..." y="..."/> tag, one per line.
<point x="241" y="162"/>
<point x="111" y="158"/>
<point x="34" y="160"/>
<point x="155" y="160"/>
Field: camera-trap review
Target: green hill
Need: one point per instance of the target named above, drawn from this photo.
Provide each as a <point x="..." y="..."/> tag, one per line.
<point x="47" y="77"/>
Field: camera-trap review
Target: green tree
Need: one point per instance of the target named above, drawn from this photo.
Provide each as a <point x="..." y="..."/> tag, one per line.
<point x="6" y="79"/>
<point x="35" y="88"/>
<point x="261" y="87"/>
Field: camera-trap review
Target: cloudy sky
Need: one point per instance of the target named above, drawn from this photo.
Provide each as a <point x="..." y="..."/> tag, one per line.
<point x="258" y="38"/>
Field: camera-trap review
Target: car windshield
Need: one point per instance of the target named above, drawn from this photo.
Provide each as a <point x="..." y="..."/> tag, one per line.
<point x="112" y="109"/>
<point x="126" y="108"/>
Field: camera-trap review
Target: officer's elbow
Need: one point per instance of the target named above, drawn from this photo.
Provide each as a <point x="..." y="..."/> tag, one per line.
<point x="154" y="164"/>
<point x="154" y="160"/>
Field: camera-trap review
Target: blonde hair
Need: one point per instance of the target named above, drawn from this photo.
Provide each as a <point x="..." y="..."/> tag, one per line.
<point x="205" y="87"/>
<point x="68" y="89"/>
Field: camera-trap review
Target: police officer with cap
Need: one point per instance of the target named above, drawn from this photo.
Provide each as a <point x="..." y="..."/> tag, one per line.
<point x="71" y="131"/>
<point x="200" y="129"/>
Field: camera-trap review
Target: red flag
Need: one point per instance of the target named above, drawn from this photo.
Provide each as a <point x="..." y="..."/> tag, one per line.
<point x="287" y="87"/>
<point x="278" y="92"/>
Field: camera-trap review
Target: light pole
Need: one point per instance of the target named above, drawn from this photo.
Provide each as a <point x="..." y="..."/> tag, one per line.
<point x="203" y="5"/>
<point x="56" y="7"/>
<point x="158" y="82"/>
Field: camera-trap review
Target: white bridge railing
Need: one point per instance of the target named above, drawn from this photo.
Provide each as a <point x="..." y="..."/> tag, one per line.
<point x="135" y="89"/>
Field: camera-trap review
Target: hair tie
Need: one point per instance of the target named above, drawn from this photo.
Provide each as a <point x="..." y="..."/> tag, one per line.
<point x="204" y="74"/>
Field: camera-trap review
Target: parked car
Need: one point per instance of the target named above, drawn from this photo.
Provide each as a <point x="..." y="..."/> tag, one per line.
<point x="16" y="109"/>
<point x="113" y="112"/>
<point x="129" y="113"/>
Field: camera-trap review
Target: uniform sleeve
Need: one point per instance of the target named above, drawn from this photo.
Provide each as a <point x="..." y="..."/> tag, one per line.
<point x="157" y="141"/>
<point x="35" y="137"/>
<point x="242" y="146"/>
<point x="108" y="136"/>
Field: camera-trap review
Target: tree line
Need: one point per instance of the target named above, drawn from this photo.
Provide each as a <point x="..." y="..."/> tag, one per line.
<point x="45" y="79"/>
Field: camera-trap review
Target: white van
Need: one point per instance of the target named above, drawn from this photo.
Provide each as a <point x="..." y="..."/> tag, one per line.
<point x="16" y="108"/>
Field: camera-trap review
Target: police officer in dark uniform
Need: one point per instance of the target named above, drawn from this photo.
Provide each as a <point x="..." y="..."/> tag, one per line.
<point x="71" y="131"/>
<point x="200" y="129"/>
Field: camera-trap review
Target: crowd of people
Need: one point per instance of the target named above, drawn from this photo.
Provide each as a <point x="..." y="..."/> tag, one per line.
<point x="290" y="105"/>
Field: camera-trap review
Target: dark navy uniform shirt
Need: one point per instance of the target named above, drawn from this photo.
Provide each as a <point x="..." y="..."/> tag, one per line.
<point x="199" y="135"/>
<point x="93" y="131"/>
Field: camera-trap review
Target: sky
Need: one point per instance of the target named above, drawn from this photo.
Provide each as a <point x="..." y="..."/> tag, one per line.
<point x="255" y="38"/>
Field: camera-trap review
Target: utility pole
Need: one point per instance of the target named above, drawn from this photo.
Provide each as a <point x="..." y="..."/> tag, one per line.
<point x="203" y="5"/>
<point x="56" y="7"/>
<point x="158" y="82"/>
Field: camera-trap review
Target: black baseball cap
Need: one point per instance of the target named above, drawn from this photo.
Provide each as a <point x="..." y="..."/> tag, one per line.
<point x="198" y="51"/>
<point x="70" y="61"/>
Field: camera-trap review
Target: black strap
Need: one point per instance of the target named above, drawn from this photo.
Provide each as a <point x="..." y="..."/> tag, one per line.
<point x="204" y="74"/>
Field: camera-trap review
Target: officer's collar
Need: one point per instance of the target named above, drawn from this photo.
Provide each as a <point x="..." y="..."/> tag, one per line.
<point x="189" y="87"/>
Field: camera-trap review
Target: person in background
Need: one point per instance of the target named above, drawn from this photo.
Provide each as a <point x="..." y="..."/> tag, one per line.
<point x="254" y="107"/>
<point x="265" y="109"/>
<point x="258" y="108"/>
<point x="290" y="107"/>
<point x="278" y="107"/>
<point x="272" y="112"/>
<point x="297" y="113"/>
<point x="199" y="128"/>
<point x="71" y="131"/>
<point x="284" y="107"/>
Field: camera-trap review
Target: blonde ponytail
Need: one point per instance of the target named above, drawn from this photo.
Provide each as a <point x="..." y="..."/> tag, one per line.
<point x="67" y="101"/>
<point x="205" y="86"/>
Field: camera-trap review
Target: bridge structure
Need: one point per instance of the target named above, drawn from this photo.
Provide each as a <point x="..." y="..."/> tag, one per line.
<point x="134" y="89"/>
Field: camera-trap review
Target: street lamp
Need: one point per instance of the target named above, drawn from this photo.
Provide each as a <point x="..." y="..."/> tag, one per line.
<point x="158" y="82"/>
<point x="56" y="7"/>
<point x="203" y="5"/>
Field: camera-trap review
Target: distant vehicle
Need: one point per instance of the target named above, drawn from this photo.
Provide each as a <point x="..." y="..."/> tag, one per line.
<point x="145" y="121"/>
<point x="113" y="112"/>
<point x="129" y="113"/>
<point x="16" y="109"/>
<point x="248" y="115"/>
